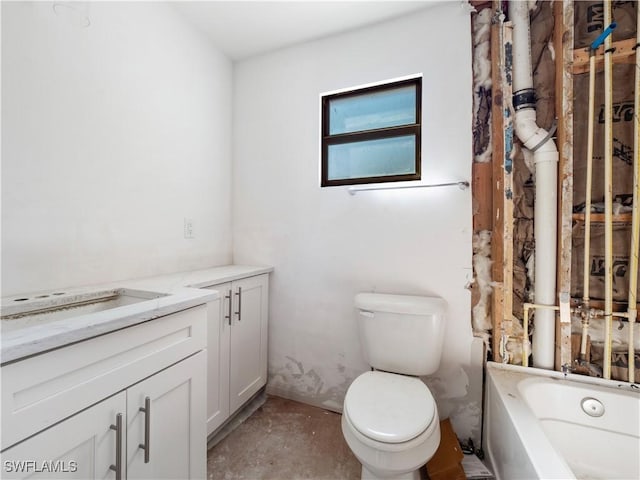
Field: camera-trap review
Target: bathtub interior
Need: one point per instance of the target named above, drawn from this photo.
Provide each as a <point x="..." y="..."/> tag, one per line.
<point x="595" y="442"/>
<point x="535" y="426"/>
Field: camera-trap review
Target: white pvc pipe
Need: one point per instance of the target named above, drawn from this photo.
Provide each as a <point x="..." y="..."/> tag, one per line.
<point x="546" y="198"/>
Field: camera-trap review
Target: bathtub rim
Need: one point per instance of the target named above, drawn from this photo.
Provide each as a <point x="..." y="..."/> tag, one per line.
<point x="584" y="379"/>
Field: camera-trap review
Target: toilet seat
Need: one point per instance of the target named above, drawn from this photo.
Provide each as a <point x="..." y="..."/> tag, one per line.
<point x="388" y="407"/>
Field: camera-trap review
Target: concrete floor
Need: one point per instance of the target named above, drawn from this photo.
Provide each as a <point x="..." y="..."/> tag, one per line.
<point x="284" y="440"/>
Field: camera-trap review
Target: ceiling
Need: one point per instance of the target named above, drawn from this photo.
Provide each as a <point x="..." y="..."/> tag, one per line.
<point x="242" y="29"/>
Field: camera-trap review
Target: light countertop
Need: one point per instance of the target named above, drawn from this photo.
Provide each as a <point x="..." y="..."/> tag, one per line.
<point x="167" y="294"/>
<point x="198" y="278"/>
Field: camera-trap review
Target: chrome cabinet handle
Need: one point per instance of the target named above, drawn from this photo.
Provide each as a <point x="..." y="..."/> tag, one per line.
<point x="118" y="465"/>
<point x="229" y="297"/>
<point x="147" y="429"/>
<point x="239" y="294"/>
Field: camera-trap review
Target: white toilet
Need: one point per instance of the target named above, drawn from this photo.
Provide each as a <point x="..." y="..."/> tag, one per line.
<point x="390" y="420"/>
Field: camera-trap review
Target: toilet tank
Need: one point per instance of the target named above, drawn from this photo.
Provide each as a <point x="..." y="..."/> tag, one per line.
<point x="401" y="333"/>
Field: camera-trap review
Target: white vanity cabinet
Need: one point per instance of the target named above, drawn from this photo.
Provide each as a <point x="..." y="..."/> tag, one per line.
<point x="237" y="346"/>
<point x="129" y="404"/>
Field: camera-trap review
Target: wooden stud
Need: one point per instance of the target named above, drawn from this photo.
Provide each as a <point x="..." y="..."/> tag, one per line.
<point x="624" y="53"/>
<point x="497" y="305"/>
<point x="482" y="196"/>
<point x="497" y="136"/>
<point x="599" y="217"/>
<point x="507" y="173"/>
<point x="563" y="44"/>
<point x="502" y="139"/>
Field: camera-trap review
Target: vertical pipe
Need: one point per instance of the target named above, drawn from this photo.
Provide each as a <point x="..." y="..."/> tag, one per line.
<point x="585" y="334"/>
<point x="587" y="208"/>
<point x="545" y="156"/>
<point x="589" y="160"/>
<point x="608" y="194"/>
<point x="635" y="217"/>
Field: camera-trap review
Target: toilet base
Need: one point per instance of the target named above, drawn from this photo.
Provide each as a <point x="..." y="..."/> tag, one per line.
<point x="369" y="475"/>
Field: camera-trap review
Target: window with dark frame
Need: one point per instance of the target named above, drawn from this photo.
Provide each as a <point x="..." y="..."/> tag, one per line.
<point x="372" y="134"/>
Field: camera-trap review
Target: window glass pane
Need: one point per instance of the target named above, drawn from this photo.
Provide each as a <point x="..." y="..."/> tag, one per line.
<point x="373" y="158"/>
<point x="388" y="108"/>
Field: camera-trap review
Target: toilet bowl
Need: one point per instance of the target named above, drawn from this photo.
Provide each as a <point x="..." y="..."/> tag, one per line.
<point x="391" y="424"/>
<point x="390" y="420"/>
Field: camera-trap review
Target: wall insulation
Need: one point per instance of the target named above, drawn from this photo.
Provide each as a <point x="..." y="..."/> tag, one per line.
<point x="482" y="287"/>
<point x="588" y="23"/>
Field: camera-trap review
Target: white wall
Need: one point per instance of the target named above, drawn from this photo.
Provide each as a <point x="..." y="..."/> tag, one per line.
<point x="326" y="245"/>
<point x="111" y="135"/>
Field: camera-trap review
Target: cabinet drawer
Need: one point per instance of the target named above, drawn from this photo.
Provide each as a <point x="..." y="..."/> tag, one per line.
<point x="40" y="391"/>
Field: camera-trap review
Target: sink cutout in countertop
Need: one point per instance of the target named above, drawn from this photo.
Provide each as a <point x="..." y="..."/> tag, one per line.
<point x="24" y="312"/>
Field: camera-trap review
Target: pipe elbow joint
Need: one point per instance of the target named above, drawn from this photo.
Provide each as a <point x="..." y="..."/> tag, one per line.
<point x="534" y="137"/>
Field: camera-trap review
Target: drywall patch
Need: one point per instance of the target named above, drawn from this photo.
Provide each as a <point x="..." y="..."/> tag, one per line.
<point x="465" y="418"/>
<point x="317" y="385"/>
<point x="457" y="390"/>
<point x="290" y="367"/>
<point x="458" y="400"/>
<point x="449" y="383"/>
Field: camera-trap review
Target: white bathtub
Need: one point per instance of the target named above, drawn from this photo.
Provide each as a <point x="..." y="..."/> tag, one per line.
<point x="535" y="426"/>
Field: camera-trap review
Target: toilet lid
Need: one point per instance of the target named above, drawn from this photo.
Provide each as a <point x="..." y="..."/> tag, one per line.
<point x="388" y="407"/>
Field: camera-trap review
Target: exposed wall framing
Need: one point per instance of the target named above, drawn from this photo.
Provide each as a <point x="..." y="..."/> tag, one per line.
<point x="502" y="160"/>
<point x="570" y="60"/>
<point x="505" y="325"/>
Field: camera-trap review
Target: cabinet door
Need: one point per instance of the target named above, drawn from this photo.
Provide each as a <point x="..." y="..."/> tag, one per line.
<point x="173" y="426"/>
<point x="218" y="334"/>
<point x="81" y="447"/>
<point x="248" y="352"/>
